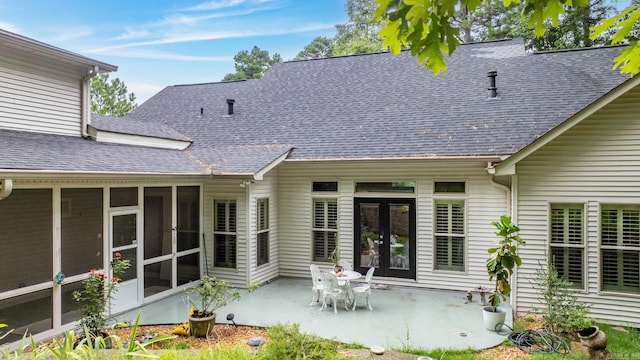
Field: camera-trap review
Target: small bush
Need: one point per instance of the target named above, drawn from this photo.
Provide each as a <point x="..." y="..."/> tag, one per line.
<point x="287" y="342"/>
<point x="562" y="310"/>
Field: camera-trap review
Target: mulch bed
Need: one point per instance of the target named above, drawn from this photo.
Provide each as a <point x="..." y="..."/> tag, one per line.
<point x="222" y="335"/>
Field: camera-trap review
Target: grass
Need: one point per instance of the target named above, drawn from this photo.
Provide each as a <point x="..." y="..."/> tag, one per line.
<point x="287" y="342"/>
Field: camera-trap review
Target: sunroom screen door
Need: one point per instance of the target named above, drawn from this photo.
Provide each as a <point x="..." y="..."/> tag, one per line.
<point x="124" y="240"/>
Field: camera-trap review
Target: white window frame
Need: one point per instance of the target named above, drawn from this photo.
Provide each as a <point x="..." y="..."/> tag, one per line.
<point x="262" y="230"/>
<point x="449" y="234"/>
<point x="231" y="260"/>
<point x="563" y="240"/>
<point x="623" y="247"/>
<point x="327" y="228"/>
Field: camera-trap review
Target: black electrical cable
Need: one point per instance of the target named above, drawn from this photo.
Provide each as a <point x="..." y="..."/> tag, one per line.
<point x="531" y="341"/>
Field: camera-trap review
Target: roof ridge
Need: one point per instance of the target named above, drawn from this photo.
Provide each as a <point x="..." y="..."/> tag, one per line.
<point x="213" y="83"/>
<point x="578" y="49"/>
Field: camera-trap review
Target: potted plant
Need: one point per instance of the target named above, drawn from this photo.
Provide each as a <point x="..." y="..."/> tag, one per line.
<point x="503" y="258"/>
<point x="334" y="256"/>
<point x="213" y="294"/>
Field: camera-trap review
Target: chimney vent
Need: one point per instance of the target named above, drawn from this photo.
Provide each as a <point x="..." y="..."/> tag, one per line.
<point x="493" y="90"/>
<point x="230" y="106"/>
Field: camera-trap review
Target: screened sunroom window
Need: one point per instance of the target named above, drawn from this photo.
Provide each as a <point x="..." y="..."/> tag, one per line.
<point x="620" y="247"/>
<point x="449" y="235"/>
<point x="224" y="233"/>
<point x="263" y="231"/>
<point x="325" y="228"/>
<point x="567" y="242"/>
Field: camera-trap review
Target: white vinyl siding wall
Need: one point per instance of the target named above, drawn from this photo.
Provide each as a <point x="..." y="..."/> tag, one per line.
<point x="484" y="203"/>
<point x="596" y="163"/>
<point x="33" y="101"/>
<point x="264" y="189"/>
<point x="226" y="190"/>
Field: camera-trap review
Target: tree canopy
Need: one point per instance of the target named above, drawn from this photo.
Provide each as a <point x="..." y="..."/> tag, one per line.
<point x="428" y="27"/>
<point x="252" y="65"/>
<point x="320" y="47"/>
<point x="359" y="35"/>
<point x="111" y="97"/>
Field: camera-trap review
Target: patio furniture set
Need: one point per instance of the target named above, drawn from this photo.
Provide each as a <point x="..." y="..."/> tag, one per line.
<point x="332" y="287"/>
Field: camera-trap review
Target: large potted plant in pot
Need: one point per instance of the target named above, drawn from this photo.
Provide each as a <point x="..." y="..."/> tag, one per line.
<point x="212" y="294"/>
<point x="503" y="259"/>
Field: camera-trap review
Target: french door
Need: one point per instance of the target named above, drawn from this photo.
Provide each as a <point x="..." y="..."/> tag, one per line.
<point x="385" y="236"/>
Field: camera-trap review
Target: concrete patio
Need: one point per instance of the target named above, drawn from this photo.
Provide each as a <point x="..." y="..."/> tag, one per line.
<point x="401" y="316"/>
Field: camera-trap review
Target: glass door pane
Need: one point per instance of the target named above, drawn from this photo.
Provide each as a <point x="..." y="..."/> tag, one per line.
<point x="369" y="216"/>
<point x="385" y="236"/>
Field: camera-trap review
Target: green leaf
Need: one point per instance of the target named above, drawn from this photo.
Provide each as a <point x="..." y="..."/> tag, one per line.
<point x="628" y="59"/>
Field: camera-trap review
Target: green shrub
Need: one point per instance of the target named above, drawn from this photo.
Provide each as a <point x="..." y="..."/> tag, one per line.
<point x="562" y="310"/>
<point x="287" y="342"/>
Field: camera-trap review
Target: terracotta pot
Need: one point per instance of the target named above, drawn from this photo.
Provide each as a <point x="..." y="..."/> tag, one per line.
<point x="201" y="326"/>
<point x="337" y="269"/>
<point x="592" y="337"/>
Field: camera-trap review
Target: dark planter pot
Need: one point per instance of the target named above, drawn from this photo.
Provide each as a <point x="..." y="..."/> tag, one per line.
<point x="593" y="338"/>
<point x="201" y="326"/>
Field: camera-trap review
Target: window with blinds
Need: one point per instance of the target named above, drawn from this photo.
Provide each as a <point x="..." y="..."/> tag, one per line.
<point x="620" y="247"/>
<point x="449" y="235"/>
<point x="262" y="222"/>
<point x="566" y="245"/>
<point x="224" y="233"/>
<point x="325" y="228"/>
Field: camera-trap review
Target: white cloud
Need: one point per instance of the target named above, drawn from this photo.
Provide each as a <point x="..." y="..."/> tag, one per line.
<point x="10" y="27"/>
<point x="157" y="55"/>
<point x="68" y="33"/>
<point x="213" y="35"/>
<point x="214" y="5"/>
<point x="133" y="34"/>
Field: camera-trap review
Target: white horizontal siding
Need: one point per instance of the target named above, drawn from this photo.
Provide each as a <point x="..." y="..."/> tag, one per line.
<point x="485" y="203"/>
<point x="33" y="101"/>
<point x="594" y="163"/>
<point x="226" y="190"/>
<point x="267" y="188"/>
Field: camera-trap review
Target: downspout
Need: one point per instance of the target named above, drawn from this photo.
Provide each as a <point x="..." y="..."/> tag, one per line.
<point x="86" y="101"/>
<point x="491" y="171"/>
<point x="247" y="193"/>
<point x="511" y="195"/>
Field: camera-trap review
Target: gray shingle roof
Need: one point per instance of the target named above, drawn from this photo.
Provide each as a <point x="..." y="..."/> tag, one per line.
<point x="133" y="127"/>
<point x="353" y="107"/>
<point x="33" y="151"/>
<point x="385" y="106"/>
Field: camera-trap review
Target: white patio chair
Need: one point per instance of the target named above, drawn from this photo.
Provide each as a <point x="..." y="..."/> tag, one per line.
<point x="333" y="291"/>
<point x="346" y="265"/>
<point x="316" y="278"/>
<point x="364" y="289"/>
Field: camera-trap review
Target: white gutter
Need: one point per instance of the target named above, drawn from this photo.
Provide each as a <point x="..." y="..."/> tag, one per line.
<point x="6" y="185"/>
<point x="85" y="101"/>
<point x="491" y="170"/>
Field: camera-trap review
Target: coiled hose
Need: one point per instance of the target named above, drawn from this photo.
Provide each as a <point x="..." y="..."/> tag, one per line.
<point x="532" y="341"/>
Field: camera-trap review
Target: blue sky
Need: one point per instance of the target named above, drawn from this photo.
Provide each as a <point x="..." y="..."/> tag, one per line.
<point x="160" y="43"/>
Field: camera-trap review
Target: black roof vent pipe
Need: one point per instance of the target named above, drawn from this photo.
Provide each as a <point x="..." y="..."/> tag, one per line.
<point x="230" y="106"/>
<point x="493" y="90"/>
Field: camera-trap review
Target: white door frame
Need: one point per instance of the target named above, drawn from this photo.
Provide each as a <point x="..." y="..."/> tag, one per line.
<point x="127" y="295"/>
